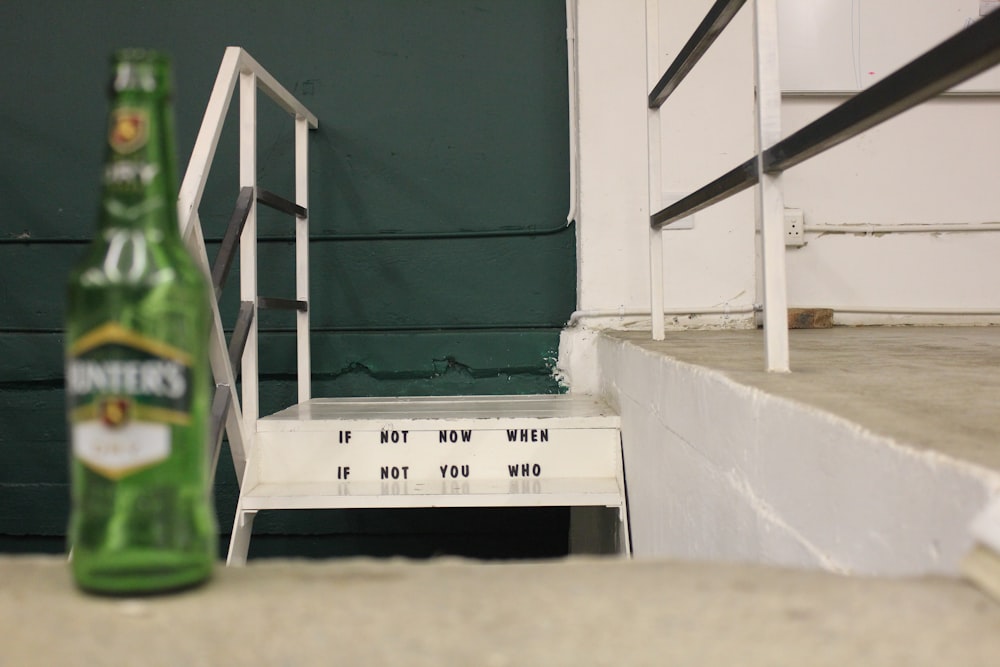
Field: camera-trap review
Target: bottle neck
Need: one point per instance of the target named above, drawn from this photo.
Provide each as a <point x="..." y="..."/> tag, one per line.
<point x="139" y="184"/>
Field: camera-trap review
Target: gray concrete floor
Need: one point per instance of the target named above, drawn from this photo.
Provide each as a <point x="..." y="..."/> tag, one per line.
<point x="577" y="612"/>
<point x="933" y="388"/>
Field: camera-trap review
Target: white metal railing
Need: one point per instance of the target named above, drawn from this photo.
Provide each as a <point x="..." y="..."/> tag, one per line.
<point x="971" y="51"/>
<point x="238" y="67"/>
<point x="769" y="202"/>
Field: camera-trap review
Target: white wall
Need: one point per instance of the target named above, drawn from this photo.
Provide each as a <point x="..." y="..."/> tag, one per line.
<point x="936" y="164"/>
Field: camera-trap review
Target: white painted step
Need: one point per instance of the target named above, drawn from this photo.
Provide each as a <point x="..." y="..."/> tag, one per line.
<point x="464" y="451"/>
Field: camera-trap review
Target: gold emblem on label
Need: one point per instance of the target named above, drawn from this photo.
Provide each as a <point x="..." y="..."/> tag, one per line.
<point x="129" y="129"/>
<point x="114" y="412"/>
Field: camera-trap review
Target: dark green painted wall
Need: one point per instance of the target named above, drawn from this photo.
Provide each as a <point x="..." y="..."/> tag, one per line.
<point x="442" y="119"/>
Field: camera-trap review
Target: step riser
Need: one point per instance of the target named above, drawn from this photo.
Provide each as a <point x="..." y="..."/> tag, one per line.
<point x="422" y="457"/>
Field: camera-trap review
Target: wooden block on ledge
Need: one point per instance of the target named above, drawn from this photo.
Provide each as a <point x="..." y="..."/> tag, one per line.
<point x="810" y="318"/>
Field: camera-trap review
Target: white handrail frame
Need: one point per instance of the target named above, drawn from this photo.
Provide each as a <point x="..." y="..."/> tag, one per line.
<point x="769" y="199"/>
<point x="654" y="172"/>
<point x="189" y="198"/>
<point x="248" y="245"/>
<point x="238" y="65"/>
<point x="302" y="257"/>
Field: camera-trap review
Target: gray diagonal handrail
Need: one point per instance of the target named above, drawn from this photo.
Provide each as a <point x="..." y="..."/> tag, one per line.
<point x="733" y="181"/>
<point x="718" y="17"/>
<point x="230" y="241"/>
<point x="968" y="53"/>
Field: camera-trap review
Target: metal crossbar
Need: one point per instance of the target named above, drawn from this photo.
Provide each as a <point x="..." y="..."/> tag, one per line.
<point x="220" y="407"/>
<point x="966" y="54"/>
<point x="278" y="203"/>
<point x="277" y="303"/>
<point x="231" y="239"/>
<point x="238" y="342"/>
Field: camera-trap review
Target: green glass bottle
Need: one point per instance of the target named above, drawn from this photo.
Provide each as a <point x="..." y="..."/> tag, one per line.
<point x="137" y="372"/>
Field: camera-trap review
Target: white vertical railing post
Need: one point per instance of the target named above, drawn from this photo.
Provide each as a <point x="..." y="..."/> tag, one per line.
<point x="248" y="245"/>
<point x="653" y="157"/>
<point x="302" y="256"/>
<point x="769" y="199"/>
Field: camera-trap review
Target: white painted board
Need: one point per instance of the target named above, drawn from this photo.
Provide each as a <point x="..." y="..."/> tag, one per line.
<point x="847" y="45"/>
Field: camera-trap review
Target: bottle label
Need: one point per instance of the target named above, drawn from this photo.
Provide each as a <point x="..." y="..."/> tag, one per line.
<point x="124" y="391"/>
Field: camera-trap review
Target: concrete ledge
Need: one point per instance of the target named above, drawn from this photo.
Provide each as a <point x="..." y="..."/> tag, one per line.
<point x="574" y="612"/>
<point x="871" y="457"/>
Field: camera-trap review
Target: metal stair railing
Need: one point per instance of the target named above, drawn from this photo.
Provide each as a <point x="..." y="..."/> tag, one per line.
<point x="240" y="417"/>
<point x="969" y="52"/>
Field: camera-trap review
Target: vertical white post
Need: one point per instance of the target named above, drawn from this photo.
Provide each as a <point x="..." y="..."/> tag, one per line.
<point x="248" y="245"/>
<point x="653" y="74"/>
<point x="302" y="255"/>
<point x="769" y="198"/>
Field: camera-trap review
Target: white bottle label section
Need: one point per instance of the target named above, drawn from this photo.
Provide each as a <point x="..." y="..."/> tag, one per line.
<point x="116" y="452"/>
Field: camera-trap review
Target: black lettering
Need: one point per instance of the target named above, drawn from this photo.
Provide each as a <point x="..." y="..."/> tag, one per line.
<point x="454" y="471"/>
<point x="394" y="436"/>
<point x="343" y="472"/>
<point x="454" y="436"/>
<point x="522" y="435"/>
<point x="345" y="437"/>
<point x="395" y="472"/>
<point x="522" y="469"/>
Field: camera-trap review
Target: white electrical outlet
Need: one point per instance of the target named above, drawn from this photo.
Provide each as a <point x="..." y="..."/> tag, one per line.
<point x="795" y="227"/>
<point x="668" y="198"/>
